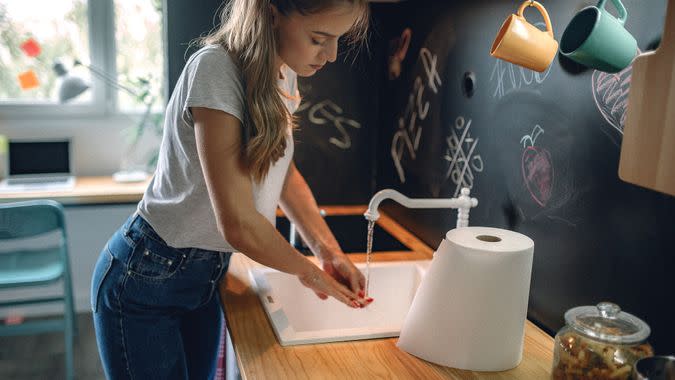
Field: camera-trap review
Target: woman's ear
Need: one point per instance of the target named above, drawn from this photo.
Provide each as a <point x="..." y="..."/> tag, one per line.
<point x="274" y="11"/>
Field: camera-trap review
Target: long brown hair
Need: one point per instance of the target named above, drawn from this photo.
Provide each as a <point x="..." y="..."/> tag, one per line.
<point x="246" y="31"/>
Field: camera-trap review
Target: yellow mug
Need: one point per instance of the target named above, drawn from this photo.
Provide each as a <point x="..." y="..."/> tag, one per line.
<point x="524" y="44"/>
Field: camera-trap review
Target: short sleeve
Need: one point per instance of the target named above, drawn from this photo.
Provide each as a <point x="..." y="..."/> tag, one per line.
<point x="212" y="80"/>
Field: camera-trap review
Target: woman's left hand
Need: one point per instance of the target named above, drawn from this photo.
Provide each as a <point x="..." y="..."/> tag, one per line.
<point x="343" y="270"/>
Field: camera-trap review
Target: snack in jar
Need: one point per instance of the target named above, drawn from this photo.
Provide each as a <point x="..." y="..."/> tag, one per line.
<point x="599" y="342"/>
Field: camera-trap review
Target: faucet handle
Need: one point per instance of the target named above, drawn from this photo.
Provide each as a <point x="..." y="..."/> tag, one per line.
<point x="471" y="202"/>
<point x="465" y="205"/>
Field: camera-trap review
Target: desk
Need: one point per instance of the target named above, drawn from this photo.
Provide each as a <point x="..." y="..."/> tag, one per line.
<point x="87" y="190"/>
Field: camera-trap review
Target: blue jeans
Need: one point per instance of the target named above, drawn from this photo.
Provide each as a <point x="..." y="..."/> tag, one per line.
<point x="156" y="308"/>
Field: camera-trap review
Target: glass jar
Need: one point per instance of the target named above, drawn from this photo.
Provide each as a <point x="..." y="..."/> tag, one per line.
<point x="599" y="342"/>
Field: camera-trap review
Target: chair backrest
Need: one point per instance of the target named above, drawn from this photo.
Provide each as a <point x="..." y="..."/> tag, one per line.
<point x="25" y="219"/>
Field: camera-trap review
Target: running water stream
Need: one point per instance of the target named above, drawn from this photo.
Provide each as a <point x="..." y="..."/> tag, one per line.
<point x="369" y="248"/>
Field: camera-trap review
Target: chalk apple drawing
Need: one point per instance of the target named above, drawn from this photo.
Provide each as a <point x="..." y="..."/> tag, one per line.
<point x="537" y="168"/>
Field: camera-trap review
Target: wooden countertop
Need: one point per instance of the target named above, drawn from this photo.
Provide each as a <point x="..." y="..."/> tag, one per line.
<point x="260" y="356"/>
<point x="87" y="190"/>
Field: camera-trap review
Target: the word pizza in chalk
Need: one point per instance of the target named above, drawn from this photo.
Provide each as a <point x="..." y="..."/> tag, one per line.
<point x="407" y="137"/>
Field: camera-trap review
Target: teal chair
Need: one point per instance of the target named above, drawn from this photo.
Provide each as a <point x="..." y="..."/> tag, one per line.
<point x="29" y="222"/>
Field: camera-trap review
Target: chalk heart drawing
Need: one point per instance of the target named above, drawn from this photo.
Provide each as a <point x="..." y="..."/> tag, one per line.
<point x="610" y="92"/>
<point x="537" y="168"/>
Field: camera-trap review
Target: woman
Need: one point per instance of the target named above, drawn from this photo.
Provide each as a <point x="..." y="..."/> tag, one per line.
<point x="225" y="165"/>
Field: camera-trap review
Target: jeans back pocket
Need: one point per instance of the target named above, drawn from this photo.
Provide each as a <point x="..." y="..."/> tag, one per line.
<point x="153" y="260"/>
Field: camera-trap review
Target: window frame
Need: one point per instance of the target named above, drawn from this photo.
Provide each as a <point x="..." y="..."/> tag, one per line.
<point x="102" y="55"/>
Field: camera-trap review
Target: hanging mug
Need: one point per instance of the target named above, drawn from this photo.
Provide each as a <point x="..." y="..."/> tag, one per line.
<point x="598" y="40"/>
<point x="524" y="44"/>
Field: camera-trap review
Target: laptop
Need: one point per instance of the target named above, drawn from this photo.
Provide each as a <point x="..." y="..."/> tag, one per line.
<point x="38" y="165"/>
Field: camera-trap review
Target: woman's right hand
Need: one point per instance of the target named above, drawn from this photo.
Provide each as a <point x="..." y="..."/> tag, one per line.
<point x="323" y="284"/>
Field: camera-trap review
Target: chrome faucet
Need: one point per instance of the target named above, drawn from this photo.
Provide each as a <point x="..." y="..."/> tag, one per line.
<point x="463" y="204"/>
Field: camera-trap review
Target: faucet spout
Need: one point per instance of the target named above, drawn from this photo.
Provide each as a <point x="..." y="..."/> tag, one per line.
<point x="463" y="204"/>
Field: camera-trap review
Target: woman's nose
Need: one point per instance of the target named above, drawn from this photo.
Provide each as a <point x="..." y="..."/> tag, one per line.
<point x="330" y="52"/>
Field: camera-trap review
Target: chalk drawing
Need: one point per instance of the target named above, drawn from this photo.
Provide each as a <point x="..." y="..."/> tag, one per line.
<point x="537" y="168"/>
<point x="407" y="137"/>
<point x="507" y="77"/>
<point x="610" y="92"/>
<point x="461" y="155"/>
<point x="429" y="61"/>
<point x="327" y="112"/>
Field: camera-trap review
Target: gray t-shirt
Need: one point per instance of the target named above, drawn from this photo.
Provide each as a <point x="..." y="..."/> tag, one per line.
<point x="176" y="203"/>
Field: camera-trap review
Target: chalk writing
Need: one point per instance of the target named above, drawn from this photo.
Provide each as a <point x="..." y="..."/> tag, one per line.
<point x="537" y="168"/>
<point x="327" y="112"/>
<point x="463" y="161"/>
<point x="407" y="137"/>
<point x="429" y="62"/>
<point x="508" y="77"/>
<point x="610" y="92"/>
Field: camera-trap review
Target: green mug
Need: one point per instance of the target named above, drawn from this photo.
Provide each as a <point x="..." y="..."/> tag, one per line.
<point x="598" y="40"/>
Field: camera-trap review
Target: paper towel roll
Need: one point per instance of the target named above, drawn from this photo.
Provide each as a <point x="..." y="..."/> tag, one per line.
<point x="470" y="308"/>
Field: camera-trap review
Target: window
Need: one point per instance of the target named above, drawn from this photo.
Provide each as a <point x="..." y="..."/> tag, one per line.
<point x="31" y="40"/>
<point x="140" y="50"/>
<point x="116" y="42"/>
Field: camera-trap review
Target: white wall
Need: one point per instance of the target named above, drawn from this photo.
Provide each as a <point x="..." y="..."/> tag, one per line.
<point x="97" y="143"/>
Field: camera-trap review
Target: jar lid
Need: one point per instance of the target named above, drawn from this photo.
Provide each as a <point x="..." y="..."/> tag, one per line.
<point x="606" y="322"/>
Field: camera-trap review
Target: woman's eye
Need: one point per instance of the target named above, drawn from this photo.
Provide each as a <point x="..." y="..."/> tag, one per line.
<point x="316" y="42"/>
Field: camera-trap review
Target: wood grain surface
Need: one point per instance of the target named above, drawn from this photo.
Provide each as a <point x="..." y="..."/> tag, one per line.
<point x="87" y="190"/>
<point x="648" y="147"/>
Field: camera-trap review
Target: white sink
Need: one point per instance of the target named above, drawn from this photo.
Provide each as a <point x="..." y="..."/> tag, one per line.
<point x="298" y="316"/>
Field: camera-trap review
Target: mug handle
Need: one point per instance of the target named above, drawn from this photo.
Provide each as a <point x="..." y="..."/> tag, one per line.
<point x="623" y="13"/>
<point x="542" y="10"/>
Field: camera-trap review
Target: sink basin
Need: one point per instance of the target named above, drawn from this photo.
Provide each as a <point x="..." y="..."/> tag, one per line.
<point x="298" y="316"/>
<point x="351" y="232"/>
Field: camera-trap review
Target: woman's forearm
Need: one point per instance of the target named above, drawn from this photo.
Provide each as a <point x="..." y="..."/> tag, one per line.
<point x="257" y="238"/>
<point x="298" y="203"/>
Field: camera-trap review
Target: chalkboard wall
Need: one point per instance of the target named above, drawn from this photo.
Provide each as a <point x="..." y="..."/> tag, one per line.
<point x="184" y="21"/>
<point x="338" y="120"/>
<point x="540" y="151"/>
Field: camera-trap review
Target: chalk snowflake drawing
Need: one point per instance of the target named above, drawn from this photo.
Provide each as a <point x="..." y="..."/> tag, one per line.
<point x="537" y="168"/>
<point x="462" y="156"/>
